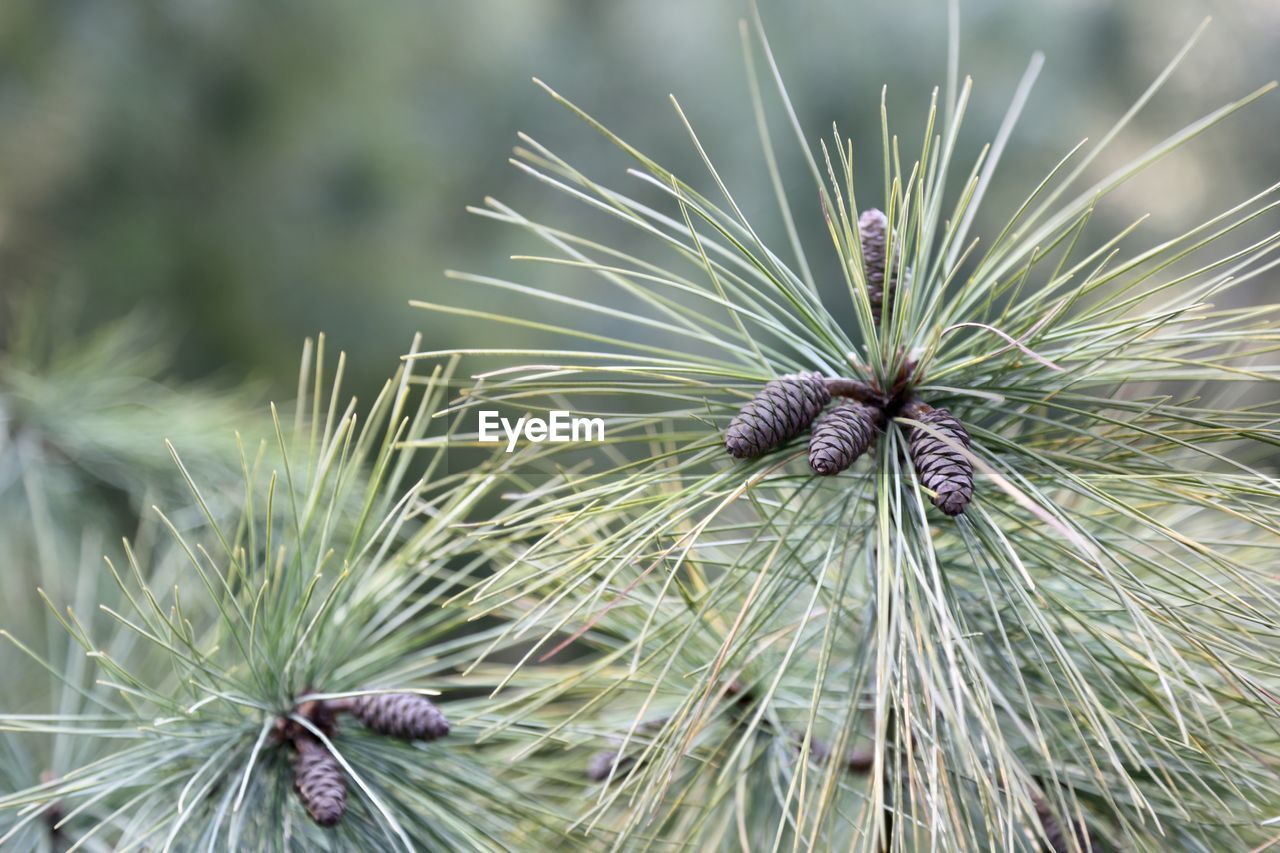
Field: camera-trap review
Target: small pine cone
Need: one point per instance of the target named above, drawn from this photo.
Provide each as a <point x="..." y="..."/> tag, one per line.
<point x="403" y="715"/>
<point x="317" y="777"/>
<point x="780" y="412"/>
<point x="942" y="468"/>
<point x="873" y="230"/>
<point x="1052" y="828"/>
<point x="601" y="764"/>
<point x="1058" y="835"/>
<point x="841" y="436"/>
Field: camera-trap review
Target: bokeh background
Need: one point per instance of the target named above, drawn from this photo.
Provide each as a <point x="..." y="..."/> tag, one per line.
<point x="248" y="173"/>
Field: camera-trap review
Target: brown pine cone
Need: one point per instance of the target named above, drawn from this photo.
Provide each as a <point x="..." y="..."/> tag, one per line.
<point x="317" y="777"/>
<point x="403" y="715"/>
<point x="1059" y="837"/>
<point x="943" y="469"/>
<point x="601" y="764"/>
<point x="841" y="436"/>
<point x="780" y="412"/>
<point x="873" y="231"/>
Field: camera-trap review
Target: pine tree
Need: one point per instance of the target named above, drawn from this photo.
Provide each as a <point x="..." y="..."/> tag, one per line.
<point x="1036" y="610"/>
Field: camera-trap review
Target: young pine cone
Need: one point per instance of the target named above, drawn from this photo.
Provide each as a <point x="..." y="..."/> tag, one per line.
<point x="601" y="764"/>
<point x="942" y="468"/>
<point x="1059" y="837"/>
<point x="841" y="436"/>
<point x="403" y="715"/>
<point x="873" y="229"/>
<point x="780" y="412"/>
<point x="317" y="778"/>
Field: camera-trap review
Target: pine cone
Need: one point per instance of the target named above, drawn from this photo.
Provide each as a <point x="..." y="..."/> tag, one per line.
<point x="841" y="436"/>
<point x="402" y="715"/>
<point x="601" y="764"/>
<point x="318" y="779"/>
<point x="780" y="412"/>
<point x="873" y="229"/>
<point x="942" y="468"/>
<point x="1059" y="837"/>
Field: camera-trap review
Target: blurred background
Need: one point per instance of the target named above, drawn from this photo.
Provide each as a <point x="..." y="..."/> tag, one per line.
<point x="248" y="173"/>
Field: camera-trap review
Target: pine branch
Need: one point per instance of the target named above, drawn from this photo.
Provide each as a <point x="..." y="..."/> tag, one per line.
<point x="1086" y="638"/>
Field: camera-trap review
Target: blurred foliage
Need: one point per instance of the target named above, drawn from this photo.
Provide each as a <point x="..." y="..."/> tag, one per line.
<point x="252" y="172"/>
<point x="83" y="425"/>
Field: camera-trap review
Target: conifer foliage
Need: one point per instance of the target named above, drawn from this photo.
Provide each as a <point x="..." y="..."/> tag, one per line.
<point x="267" y="686"/>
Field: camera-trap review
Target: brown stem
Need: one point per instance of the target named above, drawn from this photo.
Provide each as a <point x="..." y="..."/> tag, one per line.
<point x="855" y="389"/>
<point x="914" y="408"/>
<point x="321" y="713"/>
